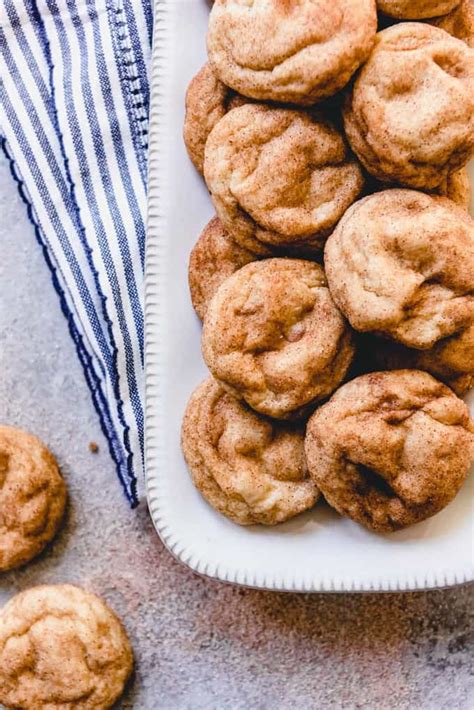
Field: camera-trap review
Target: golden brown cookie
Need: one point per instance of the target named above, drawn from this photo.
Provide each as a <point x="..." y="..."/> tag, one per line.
<point x="391" y="448"/>
<point x="401" y="263"/>
<point x="416" y="9"/>
<point x="456" y="187"/>
<point x="61" y="647"/>
<point x="32" y="497"/>
<point x="249" y="468"/>
<point x="207" y="100"/>
<point x="215" y="256"/>
<point x="279" y="178"/>
<point x="410" y="115"/>
<point x="451" y="360"/>
<point x="287" y="51"/>
<point x="273" y="336"/>
<point x="458" y="23"/>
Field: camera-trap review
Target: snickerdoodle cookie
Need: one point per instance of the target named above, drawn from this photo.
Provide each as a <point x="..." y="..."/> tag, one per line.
<point x="390" y="448"/>
<point x="207" y="100"/>
<point x="279" y="178"/>
<point x="32" y="497"/>
<point x="247" y="467"/>
<point x="458" y="23"/>
<point x="61" y="647"/>
<point x="410" y="115"/>
<point x="401" y="263"/>
<point x="450" y="360"/>
<point x="287" y="50"/>
<point x="456" y="186"/>
<point x="416" y="9"/>
<point x="273" y="336"/>
<point x="215" y="256"/>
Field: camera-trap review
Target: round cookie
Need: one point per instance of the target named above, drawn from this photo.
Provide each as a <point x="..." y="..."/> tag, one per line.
<point x="273" y="337"/>
<point x="416" y="9"/>
<point x="390" y="448"/>
<point x="458" y="23"/>
<point x="410" y="115"/>
<point x="32" y="497"/>
<point x="207" y="100"/>
<point x="401" y="263"/>
<point x="451" y="360"/>
<point x="61" y="647"/>
<point x="279" y="178"/>
<point x="215" y="256"/>
<point x="291" y="52"/>
<point x="249" y="468"/>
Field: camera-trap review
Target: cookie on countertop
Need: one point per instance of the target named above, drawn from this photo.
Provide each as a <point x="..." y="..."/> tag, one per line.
<point x="249" y="468"/>
<point x="207" y="100"/>
<point x="416" y="9"/>
<point x="273" y="337"/>
<point x="286" y="51"/>
<point x="215" y="256"/>
<point x="279" y="178"/>
<point x="32" y="497"/>
<point x="400" y="263"/>
<point x="390" y="449"/>
<point x="61" y="647"/>
<point x="410" y="115"/>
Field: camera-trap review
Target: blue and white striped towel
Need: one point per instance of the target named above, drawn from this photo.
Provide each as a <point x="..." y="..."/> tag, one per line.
<point x="73" y="121"/>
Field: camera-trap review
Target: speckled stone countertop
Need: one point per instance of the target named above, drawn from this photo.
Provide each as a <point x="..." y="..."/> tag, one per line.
<point x="199" y="644"/>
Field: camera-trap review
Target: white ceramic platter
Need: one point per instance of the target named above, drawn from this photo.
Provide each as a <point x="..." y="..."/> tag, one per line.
<point x="318" y="551"/>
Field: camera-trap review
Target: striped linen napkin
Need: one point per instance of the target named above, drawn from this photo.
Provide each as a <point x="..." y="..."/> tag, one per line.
<point x="74" y="107"/>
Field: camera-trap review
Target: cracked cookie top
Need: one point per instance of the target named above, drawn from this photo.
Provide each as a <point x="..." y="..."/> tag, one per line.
<point x="61" y="647"/>
<point x="273" y="336"/>
<point x="390" y="448"/>
<point x="279" y="178"/>
<point x="401" y="263"/>
<point x="410" y="115"/>
<point x="295" y="51"/>
<point x="32" y="497"/>
<point x="249" y="468"/>
<point x="458" y="23"/>
<point x="416" y="9"/>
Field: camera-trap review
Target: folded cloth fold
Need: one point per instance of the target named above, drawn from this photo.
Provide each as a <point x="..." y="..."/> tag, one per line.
<point x="74" y="125"/>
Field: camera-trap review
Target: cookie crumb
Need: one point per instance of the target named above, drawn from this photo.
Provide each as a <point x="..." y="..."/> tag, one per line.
<point x="93" y="447"/>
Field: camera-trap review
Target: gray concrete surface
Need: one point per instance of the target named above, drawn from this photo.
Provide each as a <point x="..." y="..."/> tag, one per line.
<point x="199" y="644"/>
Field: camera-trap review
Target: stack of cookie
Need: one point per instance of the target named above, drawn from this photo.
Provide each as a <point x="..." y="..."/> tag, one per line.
<point x="336" y="282"/>
<point x="60" y="646"/>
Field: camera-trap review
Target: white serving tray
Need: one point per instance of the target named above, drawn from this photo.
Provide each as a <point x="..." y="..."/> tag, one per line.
<point x="318" y="551"/>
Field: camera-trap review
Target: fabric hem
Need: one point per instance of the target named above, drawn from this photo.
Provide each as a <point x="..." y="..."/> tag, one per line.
<point x="132" y="82"/>
<point x="129" y="480"/>
<point x="123" y="463"/>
